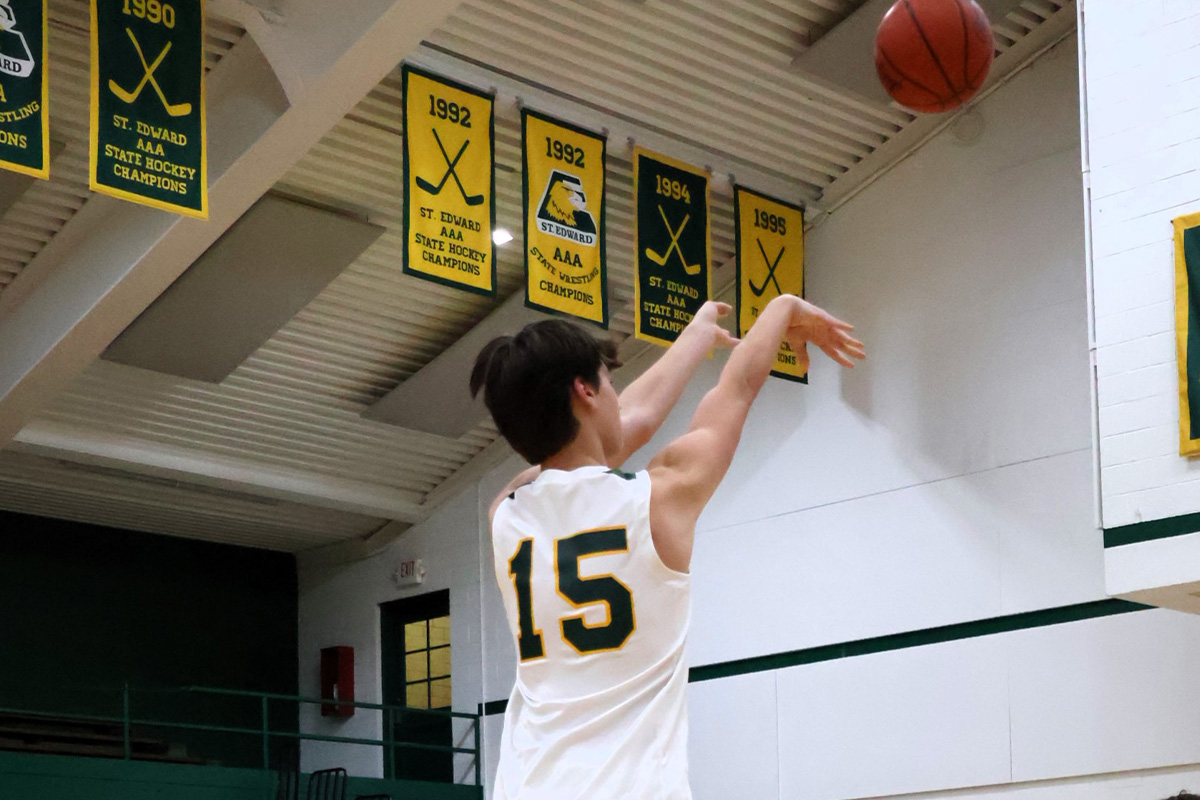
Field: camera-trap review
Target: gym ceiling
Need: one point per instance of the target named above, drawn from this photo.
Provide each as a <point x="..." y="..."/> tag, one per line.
<point x="131" y="402"/>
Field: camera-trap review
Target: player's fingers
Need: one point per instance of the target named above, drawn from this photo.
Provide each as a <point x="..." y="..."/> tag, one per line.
<point x="857" y="352"/>
<point x="723" y="309"/>
<point x="844" y="360"/>
<point x="840" y="324"/>
<point x="837" y="356"/>
<point x="851" y="340"/>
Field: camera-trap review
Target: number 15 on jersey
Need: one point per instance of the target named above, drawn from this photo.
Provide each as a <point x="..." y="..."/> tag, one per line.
<point x="578" y="591"/>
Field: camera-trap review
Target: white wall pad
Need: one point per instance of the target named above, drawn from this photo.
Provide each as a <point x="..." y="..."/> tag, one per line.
<point x="975" y="547"/>
<point x="905" y="721"/>
<point x="733" y="744"/>
<point x="1105" y="695"/>
<point x="1151" y="784"/>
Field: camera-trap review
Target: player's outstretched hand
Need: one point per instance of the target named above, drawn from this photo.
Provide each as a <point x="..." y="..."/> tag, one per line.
<point x="706" y="321"/>
<point x="813" y="324"/>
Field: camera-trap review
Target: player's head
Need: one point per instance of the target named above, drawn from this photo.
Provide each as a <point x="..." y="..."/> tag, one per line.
<point x="1184" y="796"/>
<point x="547" y="382"/>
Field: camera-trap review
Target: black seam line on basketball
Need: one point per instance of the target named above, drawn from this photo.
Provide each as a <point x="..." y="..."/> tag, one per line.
<point x="962" y="15"/>
<point x="992" y="626"/>
<point x="966" y="91"/>
<point x="982" y="71"/>
<point x="929" y="47"/>
<point x="1154" y="529"/>
<point x="905" y="76"/>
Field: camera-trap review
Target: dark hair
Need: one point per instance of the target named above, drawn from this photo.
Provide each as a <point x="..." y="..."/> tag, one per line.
<point x="526" y="381"/>
<point x="1184" y="796"/>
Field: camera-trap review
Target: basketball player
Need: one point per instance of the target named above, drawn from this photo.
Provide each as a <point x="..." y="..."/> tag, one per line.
<point x="593" y="563"/>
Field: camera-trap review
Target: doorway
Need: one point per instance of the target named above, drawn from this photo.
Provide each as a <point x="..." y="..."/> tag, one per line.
<point x="415" y="649"/>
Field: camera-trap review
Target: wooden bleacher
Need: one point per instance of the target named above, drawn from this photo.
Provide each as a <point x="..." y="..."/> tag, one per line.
<point x="36" y="733"/>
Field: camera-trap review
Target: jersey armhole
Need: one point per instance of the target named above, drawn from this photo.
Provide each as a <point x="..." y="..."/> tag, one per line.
<point x="648" y="493"/>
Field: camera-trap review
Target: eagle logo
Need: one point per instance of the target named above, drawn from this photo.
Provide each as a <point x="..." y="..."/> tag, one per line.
<point x="15" y="58"/>
<point x="563" y="211"/>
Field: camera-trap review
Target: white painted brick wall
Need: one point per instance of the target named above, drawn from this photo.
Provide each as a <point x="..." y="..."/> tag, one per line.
<point x="1142" y="90"/>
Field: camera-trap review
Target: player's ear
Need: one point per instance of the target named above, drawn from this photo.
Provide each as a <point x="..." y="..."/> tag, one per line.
<point x="583" y="389"/>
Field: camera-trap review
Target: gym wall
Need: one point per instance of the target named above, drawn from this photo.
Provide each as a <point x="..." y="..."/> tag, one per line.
<point x="938" y="504"/>
<point x="1143" y="86"/>
<point x="1142" y="145"/>
<point x="339" y="606"/>
<point x="948" y="481"/>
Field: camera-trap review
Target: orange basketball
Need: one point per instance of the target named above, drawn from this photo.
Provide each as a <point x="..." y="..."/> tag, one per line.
<point x="933" y="55"/>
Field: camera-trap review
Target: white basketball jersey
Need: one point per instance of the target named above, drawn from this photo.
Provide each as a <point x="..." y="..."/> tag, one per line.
<point x="599" y="708"/>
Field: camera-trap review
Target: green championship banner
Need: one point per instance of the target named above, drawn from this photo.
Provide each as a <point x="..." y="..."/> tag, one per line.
<point x="24" y="88"/>
<point x="564" y="219"/>
<point x="449" y="183"/>
<point x="1187" y="330"/>
<point x="672" y="259"/>
<point x="148" y="138"/>
<point x="770" y="262"/>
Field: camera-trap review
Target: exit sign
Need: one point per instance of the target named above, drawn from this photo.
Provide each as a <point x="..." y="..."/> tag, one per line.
<point x="410" y="573"/>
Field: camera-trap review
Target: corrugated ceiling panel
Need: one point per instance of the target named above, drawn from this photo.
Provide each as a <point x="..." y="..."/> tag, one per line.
<point x="696" y="69"/>
<point x="46" y="487"/>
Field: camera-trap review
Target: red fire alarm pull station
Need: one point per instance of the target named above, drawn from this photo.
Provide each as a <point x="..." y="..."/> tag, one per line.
<point x="337" y="680"/>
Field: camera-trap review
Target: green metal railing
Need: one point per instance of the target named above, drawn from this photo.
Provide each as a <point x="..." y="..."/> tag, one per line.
<point x="390" y="713"/>
<point x="389" y="716"/>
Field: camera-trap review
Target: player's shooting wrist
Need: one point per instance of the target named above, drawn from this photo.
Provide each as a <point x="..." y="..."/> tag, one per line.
<point x="694" y="335"/>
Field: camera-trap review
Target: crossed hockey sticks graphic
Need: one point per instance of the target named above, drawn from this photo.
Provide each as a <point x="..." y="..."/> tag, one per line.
<point x="758" y="290"/>
<point x="451" y="165"/>
<point x="176" y="109"/>
<point x="661" y="260"/>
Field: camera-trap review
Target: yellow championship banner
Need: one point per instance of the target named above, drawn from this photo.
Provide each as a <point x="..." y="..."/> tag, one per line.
<point x="770" y="262"/>
<point x="1187" y="330"/>
<point x="449" y="183"/>
<point x="148" y="139"/>
<point x="672" y="245"/>
<point x="565" y="270"/>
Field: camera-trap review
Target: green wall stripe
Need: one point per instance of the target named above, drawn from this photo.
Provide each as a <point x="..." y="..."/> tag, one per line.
<point x="897" y="641"/>
<point x="920" y="638"/>
<point x="1154" y="529"/>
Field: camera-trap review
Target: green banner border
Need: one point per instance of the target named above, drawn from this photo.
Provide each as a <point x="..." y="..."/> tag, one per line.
<point x="405" y="70"/>
<point x="737" y="263"/>
<point x="639" y="153"/>
<point x="94" y="183"/>
<point x="526" y="113"/>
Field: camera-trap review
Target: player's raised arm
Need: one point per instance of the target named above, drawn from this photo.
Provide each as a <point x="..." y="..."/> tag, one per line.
<point x="687" y="472"/>
<point x="647" y="401"/>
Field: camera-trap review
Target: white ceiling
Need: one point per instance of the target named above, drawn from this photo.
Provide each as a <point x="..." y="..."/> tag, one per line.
<point x="278" y="455"/>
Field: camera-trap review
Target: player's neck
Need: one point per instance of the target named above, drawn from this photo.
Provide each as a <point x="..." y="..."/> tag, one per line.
<point x="585" y="450"/>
